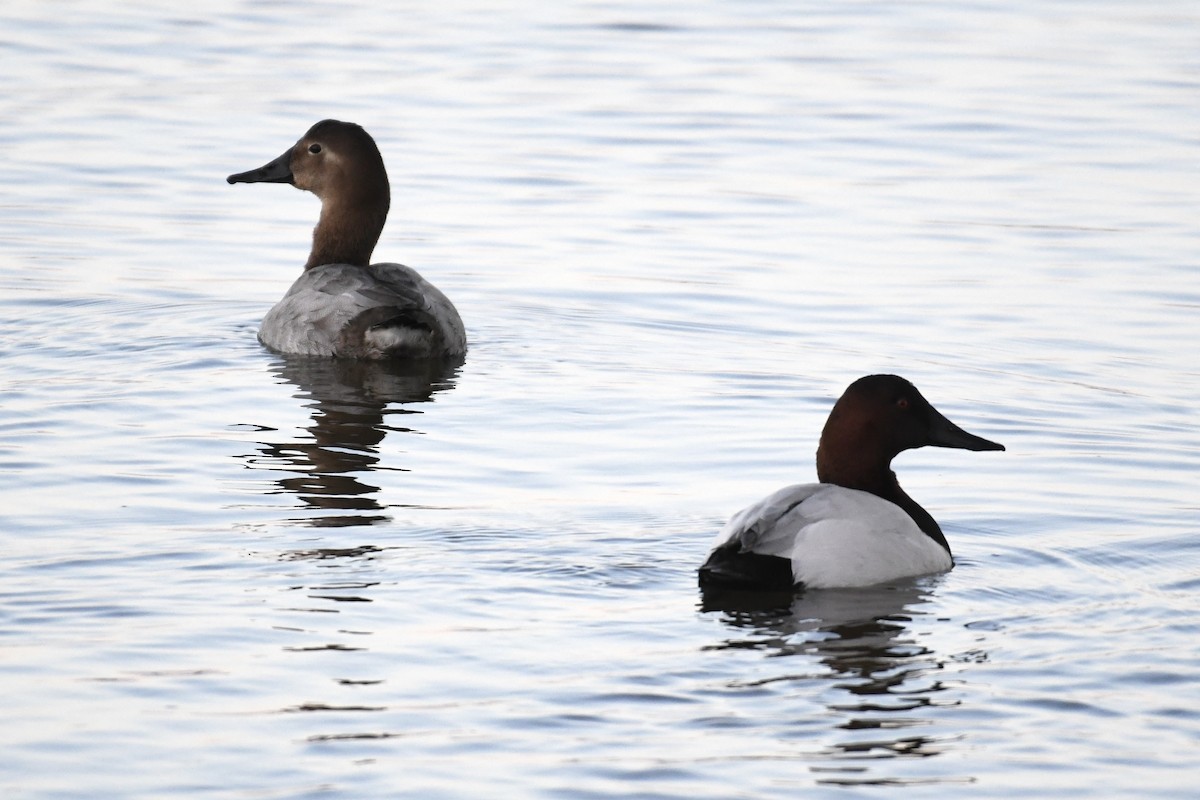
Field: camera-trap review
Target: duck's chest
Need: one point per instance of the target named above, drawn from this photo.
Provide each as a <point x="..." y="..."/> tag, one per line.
<point x="850" y="538"/>
<point x="318" y="307"/>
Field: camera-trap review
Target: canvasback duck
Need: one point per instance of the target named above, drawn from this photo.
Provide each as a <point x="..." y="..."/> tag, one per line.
<point x="342" y="304"/>
<point x="856" y="527"/>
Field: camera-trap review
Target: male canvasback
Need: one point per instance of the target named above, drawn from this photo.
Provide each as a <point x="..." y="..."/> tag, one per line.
<point x="343" y="305"/>
<point x="856" y="527"/>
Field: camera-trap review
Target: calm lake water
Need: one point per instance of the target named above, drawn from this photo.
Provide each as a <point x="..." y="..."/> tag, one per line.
<point x="676" y="232"/>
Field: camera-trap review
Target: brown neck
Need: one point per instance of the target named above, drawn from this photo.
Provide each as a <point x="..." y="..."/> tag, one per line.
<point x="865" y="465"/>
<point x="350" y="226"/>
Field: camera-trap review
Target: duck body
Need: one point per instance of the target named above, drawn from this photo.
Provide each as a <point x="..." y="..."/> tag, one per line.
<point x="375" y="312"/>
<point x="821" y="536"/>
<point x="342" y="305"/>
<point x="856" y="527"/>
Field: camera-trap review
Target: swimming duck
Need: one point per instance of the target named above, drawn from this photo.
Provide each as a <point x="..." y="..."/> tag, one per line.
<point x="856" y="527"/>
<point x="342" y="305"/>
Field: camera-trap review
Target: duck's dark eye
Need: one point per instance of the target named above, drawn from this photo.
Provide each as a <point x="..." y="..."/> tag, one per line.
<point x="902" y="403"/>
<point x="314" y="148"/>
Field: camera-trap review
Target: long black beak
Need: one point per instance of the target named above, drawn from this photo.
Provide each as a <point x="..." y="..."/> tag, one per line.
<point x="944" y="433"/>
<point x="277" y="171"/>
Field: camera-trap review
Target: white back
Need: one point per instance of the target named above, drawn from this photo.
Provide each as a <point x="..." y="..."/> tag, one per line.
<point x="836" y="537"/>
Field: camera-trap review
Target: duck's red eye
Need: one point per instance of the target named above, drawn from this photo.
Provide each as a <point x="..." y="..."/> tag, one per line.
<point x="314" y="148"/>
<point x="902" y="403"/>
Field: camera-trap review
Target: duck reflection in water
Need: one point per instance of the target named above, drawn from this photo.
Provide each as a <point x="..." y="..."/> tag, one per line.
<point x="881" y="682"/>
<point x="355" y="404"/>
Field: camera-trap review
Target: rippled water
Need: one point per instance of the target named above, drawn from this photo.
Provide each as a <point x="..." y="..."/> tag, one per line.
<point x="676" y="233"/>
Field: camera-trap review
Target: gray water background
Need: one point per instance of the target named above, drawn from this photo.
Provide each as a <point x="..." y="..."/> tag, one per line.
<point x="676" y="232"/>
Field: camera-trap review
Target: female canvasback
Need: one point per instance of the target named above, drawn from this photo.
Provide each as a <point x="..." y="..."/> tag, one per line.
<point x="343" y="305"/>
<point x="856" y="527"/>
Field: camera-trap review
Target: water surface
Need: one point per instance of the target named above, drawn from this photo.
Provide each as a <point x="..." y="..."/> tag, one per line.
<point x="675" y="234"/>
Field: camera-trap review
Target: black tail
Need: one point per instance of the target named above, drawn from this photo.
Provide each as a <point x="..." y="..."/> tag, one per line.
<point x="728" y="568"/>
